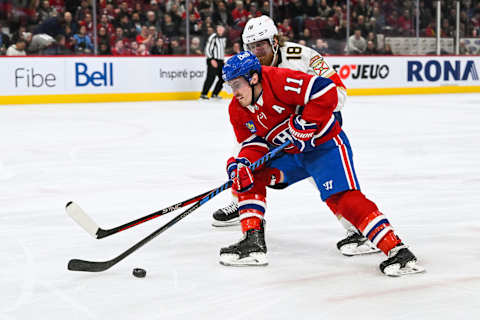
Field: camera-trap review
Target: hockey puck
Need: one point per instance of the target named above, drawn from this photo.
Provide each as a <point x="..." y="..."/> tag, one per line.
<point x="139" y="272"/>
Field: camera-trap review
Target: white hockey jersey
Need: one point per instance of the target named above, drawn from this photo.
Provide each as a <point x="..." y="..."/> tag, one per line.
<point x="297" y="57"/>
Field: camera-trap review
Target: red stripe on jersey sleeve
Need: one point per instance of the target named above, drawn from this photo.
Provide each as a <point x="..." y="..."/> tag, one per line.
<point x="336" y="79"/>
<point x="319" y="110"/>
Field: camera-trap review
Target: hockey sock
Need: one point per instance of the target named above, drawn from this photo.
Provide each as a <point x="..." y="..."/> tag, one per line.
<point x="251" y="208"/>
<point x="377" y="229"/>
<point x="332" y="203"/>
<point x="345" y="223"/>
<point x="234" y="195"/>
<point x="364" y="215"/>
<point x="352" y="205"/>
<point x="250" y="223"/>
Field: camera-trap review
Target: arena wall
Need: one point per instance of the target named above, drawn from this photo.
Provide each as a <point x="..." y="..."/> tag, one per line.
<point x="35" y="80"/>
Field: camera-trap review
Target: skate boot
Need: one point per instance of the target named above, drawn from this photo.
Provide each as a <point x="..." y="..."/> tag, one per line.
<point x="400" y="261"/>
<point x="227" y="216"/>
<point x="251" y="250"/>
<point x="355" y="244"/>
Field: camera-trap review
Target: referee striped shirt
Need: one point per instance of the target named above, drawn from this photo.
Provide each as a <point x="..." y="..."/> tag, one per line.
<point x="215" y="48"/>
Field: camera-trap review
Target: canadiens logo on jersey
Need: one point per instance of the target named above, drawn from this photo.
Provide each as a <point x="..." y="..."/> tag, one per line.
<point x="319" y="65"/>
<point x="251" y="126"/>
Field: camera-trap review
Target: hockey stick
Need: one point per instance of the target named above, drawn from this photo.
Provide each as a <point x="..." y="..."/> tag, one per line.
<point x="87" y="223"/>
<point x="97" y="266"/>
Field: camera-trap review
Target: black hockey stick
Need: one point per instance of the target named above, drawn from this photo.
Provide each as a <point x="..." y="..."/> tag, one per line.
<point x="97" y="266"/>
<point x="81" y="217"/>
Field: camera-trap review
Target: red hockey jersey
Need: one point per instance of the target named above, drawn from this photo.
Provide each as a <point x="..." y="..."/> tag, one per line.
<point x="285" y="92"/>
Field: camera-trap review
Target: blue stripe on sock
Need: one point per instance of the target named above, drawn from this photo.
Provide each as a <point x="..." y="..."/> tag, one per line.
<point x="383" y="221"/>
<point x="251" y="206"/>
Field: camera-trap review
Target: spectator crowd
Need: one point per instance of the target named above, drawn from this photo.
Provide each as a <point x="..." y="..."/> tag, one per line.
<point x="158" y="27"/>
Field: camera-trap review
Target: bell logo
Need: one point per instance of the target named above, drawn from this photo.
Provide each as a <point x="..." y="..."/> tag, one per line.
<point x="244" y="55"/>
<point x="99" y="78"/>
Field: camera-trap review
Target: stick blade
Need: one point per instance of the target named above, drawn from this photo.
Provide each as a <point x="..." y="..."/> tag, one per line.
<point x="81" y="218"/>
<point x="88" y="266"/>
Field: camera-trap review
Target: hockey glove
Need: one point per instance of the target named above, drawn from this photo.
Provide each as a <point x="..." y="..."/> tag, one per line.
<point x="302" y="133"/>
<point x="239" y="172"/>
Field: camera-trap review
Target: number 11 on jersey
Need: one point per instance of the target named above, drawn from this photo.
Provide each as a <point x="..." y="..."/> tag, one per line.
<point x="298" y="89"/>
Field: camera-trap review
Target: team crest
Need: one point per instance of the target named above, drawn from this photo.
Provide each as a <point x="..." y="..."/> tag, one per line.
<point x="251" y="126"/>
<point x="319" y="65"/>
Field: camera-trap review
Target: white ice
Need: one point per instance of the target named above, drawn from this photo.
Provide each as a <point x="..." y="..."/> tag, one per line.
<point x="417" y="157"/>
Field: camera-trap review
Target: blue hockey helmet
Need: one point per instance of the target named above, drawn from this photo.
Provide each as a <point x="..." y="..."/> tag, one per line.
<point x="243" y="64"/>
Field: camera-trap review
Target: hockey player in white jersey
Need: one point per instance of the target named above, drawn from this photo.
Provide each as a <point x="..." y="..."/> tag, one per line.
<point x="261" y="37"/>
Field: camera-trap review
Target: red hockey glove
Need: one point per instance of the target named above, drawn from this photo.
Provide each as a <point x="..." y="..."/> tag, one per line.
<point x="239" y="172"/>
<point x="302" y="133"/>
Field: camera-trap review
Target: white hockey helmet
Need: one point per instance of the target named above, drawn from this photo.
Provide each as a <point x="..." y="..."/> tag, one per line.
<point x="258" y="29"/>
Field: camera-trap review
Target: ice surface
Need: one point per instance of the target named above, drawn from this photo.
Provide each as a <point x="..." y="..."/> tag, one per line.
<point x="416" y="156"/>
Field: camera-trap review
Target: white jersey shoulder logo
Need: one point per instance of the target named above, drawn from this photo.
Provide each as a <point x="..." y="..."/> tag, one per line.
<point x="319" y="65"/>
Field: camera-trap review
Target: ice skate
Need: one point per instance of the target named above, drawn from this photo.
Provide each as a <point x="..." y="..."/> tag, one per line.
<point x="400" y="261"/>
<point x="251" y="250"/>
<point x="227" y="216"/>
<point x="356" y="244"/>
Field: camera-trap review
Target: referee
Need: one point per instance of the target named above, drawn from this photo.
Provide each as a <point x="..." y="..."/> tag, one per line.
<point x="215" y="52"/>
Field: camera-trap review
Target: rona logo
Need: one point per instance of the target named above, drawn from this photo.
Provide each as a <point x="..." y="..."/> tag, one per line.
<point x="434" y="70"/>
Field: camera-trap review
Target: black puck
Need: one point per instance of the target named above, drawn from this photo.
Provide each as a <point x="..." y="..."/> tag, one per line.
<point x="139" y="272"/>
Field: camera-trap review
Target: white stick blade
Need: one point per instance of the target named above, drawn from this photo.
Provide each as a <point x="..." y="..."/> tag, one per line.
<point x="80" y="217"/>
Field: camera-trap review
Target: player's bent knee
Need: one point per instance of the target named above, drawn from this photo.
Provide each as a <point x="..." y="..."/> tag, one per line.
<point x="352" y="205"/>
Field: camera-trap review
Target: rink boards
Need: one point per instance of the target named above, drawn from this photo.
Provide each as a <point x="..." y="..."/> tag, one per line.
<point x="28" y="80"/>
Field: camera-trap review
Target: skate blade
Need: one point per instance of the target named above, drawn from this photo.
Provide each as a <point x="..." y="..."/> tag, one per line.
<point x="258" y="259"/>
<point x="222" y="224"/>
<point x="395" y="271"/>
<point x="354" y="250"/>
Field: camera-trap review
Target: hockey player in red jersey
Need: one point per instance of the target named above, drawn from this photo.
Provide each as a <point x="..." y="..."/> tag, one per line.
<point x="261" y="37"/>
<point x="271" y="106"/>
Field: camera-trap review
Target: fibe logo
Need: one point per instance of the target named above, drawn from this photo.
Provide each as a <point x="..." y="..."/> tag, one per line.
<point x="30" y="79"/>
<point x="434" y="70"/>
<point x="96" y="78"/>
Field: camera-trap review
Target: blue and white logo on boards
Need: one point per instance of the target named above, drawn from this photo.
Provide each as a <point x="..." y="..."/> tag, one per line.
<point x="86" y="75"/>
<point x="447" y="70"/>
